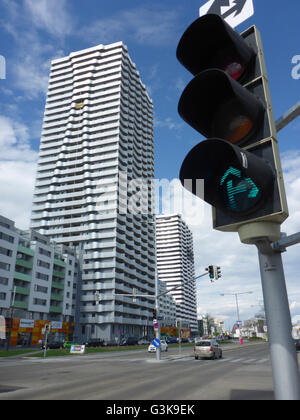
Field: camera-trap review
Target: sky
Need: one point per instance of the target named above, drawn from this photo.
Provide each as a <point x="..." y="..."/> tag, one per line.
<point x="32" y="33"/>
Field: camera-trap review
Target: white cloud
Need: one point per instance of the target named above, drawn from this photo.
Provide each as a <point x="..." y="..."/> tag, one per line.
<point x="51" y="16"/>
<point x="144" y="26"/>
<point x="17" y="172"/>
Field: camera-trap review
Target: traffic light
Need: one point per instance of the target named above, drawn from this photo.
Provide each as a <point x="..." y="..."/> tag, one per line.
<point x="217" y="272"/>
<point x="211" y="272"/>
<point x="228" y="102"/>
<point x="154" y="314"/>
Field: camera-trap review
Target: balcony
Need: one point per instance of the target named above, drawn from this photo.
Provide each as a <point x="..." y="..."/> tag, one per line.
<point x="24" y="263"/>
<point x="21" y="276"/>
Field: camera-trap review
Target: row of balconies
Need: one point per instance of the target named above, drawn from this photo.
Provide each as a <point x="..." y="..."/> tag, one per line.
<point x="81" y="85"/>
<point x="86" y="167"/>
<point x="86" y="95"/>
<point x="67" y="101"/>
<point x="105" y="135"/>
<point x="64" y="160"/>
<point x="96" y="106"/>
<point x="54" y="196"/>
<point x="86" y="175"/>
<point x="98" y="319"/>
<point x="70" y="68"/>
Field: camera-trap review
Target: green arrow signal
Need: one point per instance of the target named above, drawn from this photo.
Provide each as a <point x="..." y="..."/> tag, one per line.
<point x="243" y="186"/>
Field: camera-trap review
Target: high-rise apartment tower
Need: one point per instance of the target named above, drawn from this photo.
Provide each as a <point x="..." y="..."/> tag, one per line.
<point x="175" y="265"/>
<point x="96" y="147"/>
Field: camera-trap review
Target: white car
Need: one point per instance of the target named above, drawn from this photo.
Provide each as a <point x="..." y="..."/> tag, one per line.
<point x="163" y="347"/>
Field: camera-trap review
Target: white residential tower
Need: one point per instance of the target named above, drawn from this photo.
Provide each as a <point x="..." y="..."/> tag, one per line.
<point x="97" y="143"/>
<point x="175" y="265"/>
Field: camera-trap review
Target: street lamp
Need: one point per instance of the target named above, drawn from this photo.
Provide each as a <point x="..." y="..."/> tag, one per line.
<point x="237" y="309"/>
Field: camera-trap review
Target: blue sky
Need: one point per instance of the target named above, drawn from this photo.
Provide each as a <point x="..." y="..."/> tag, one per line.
<point x="34" y="32"/>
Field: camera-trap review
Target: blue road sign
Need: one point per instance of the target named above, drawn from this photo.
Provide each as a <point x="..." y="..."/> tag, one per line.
<point x="156" y="342"/>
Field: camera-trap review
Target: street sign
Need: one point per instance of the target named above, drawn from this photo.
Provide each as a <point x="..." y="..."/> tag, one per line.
<point x="233" y="12"/>
<point x="156" y="342"/>
<point x="77" y="349"/>
<point x="156" y="326"/>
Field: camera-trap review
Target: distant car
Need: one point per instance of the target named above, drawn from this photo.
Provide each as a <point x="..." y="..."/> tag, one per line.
<point x="95" y="342"/>
<point x="54" y="345"/>
<point x="297" y="343"/>
<point x="110" y="343"/>
<point x="208" y="349"/>
<point x="143" y="341"/>
<point x="163" y="347"/>
<point x="171" y="340"/>
<point x="129" y="341"/>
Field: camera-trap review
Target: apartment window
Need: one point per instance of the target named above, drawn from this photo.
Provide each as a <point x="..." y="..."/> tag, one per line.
<point x="4" y="266"/>
<point x="44" y="264"/>
<point x="41" y="302"/>
<point x="6" y="225"/>
<point x="42" y="276"/>
<point x="7" y="252"/>
<point x="44" y="252"/>
<point x="2" y="296"/>
<point x="7" y="238"/>
<point x="40" y="289"/>
<point x="4" y="281"/>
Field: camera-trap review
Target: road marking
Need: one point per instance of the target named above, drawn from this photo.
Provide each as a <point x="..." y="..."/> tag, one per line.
<point x="264" y="360"/>
<point x="250" y="361"/>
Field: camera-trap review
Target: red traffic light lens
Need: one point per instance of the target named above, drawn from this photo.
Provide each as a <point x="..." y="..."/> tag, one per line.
<point x="233" y="65"/>
<point x="233" y="68"/>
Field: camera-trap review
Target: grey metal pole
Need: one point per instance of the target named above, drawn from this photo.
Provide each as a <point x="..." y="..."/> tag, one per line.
<point x="282" y="349"/>
<point x="158" y="353"/>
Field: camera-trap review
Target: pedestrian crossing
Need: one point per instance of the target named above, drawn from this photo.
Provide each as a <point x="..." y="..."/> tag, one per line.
<point x="232" y="359"/>
<point x="187" y="359"/>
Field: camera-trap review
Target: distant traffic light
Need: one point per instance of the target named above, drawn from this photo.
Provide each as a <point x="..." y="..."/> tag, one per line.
<point x="217" y="272"/>
<point x="211" y="272"/>
<point x="228" y="102"/>
<point x="154" y="314"/>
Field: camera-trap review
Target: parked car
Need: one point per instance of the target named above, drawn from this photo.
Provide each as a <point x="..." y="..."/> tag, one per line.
<point x="207" y="349"/>
<point x="129" y="341"/>
<point x="95" y="342"/>
<point x="109" y="343"/>
<point x="54" y="345"/>
<point x="171" y="340"/>
<point x="143" y="341"/>
<point x="163" y="347"/>
<point x="297" y="343"/>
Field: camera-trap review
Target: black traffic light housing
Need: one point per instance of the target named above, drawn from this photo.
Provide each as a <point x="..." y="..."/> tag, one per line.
<point x="154" y="314"/>
<point x="228" y="101"/>
<point x="211" y="272"/>
<point x="217" y="271"/>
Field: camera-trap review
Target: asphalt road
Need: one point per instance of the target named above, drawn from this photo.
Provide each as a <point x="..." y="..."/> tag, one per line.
<point x="244" y="373"/>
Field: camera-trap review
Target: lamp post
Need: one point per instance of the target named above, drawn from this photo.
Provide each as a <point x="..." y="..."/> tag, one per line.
<point x="11" y="311"/>
<point x="237" y="309"/>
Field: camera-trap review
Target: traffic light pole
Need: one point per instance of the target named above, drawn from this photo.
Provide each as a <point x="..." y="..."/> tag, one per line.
<point x="282" y="349"/>
<point x="156" y="297"/>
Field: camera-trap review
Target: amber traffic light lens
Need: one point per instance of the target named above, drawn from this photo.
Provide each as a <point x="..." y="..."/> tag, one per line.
<point x="231" y="123"/>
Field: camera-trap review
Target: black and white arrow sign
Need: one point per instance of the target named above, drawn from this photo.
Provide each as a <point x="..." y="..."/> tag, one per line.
<point x="233" y="11"/>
